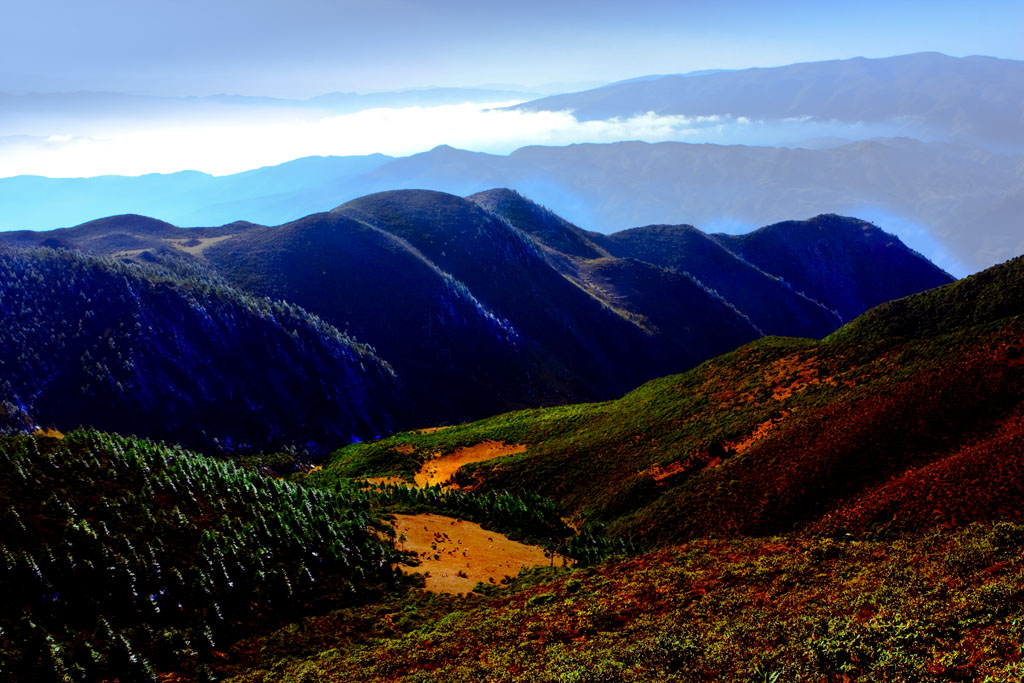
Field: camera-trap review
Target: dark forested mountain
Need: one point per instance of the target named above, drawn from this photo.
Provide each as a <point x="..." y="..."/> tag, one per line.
<point x="176" y="354"/>
<point x="585" y="343"/>
<point x="826" y="258"/>
<point x="490" y="303"/>
<point x="769" y="302"/>
<point x="455" y="355"/>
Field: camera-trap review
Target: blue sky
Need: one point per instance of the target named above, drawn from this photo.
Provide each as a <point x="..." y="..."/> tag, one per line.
<point x="306" y="47"/>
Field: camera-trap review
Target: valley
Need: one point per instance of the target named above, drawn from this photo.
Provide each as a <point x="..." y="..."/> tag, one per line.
<point x="618" y="536"/>
<point x="436" y="342"/>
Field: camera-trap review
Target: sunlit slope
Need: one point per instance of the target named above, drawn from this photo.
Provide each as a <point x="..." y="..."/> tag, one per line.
<point x="780" y="434"/>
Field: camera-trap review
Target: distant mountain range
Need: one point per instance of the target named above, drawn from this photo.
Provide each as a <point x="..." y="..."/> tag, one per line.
<point x="32" y="112"/>
<point x="958" y="206"/>
<point x="970" y="99"/>
<point x="479" y="305"/>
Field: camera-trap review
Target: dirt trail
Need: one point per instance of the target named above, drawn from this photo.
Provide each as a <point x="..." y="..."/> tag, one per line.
<point x="440" y="470"/>
<point x="460" y="554"/>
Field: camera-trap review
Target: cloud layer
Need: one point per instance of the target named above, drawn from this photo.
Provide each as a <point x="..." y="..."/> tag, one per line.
<point x="223" y="145"/>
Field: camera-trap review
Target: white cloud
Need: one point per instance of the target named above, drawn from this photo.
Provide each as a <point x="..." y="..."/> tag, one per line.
<point x="229" y="145"/>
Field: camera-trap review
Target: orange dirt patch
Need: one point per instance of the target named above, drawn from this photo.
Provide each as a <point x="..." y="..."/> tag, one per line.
<point x="386" y="480"/>
<point x="439" y="470"/>
<point x="460" y="554"/>
<point x="659" y="473"/>
<point x="404" y="448"/>
<point x="52" y="433"/>
<point x="743" y="444"/>
<point x="791" y="375"/>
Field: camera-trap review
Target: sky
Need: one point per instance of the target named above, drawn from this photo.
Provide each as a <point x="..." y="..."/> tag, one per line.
<point x="300" y="48"/>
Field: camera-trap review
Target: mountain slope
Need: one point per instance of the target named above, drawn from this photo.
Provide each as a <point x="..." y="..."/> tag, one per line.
<point x="542" y="224"/>
<point x="455" y="356"/>
<point x="846" y="264"/>
<point x="768" y="302"/>
<point x="781" y="434"/>
<point x="745" y="270"/>
<point x="478" y="310"/>
<point x="691" y="322"/>
<point x="506" y="271"/>
<point x="177" y="355"/>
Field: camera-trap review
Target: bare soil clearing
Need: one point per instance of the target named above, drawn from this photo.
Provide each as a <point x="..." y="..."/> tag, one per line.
<point x="440" y="470"/>
<point x="460" y="554"/>
<point x="197" y="245"/>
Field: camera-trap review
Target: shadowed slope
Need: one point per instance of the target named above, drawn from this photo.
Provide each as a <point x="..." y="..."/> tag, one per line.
<point x="769" y="303"/>
<point x="452" y="353"/>
<point x="542" y="224"/>
<point x="847" y="264"/>
<point x="178" y="356"/>
<point x="583" y="340"/>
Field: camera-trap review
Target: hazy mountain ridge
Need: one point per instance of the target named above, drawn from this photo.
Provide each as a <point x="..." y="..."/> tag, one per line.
<point x="949" y="202"/>
<point x="970" y="98"/>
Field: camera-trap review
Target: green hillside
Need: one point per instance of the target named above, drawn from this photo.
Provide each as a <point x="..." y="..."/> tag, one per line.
<point x="781" y="434"/>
